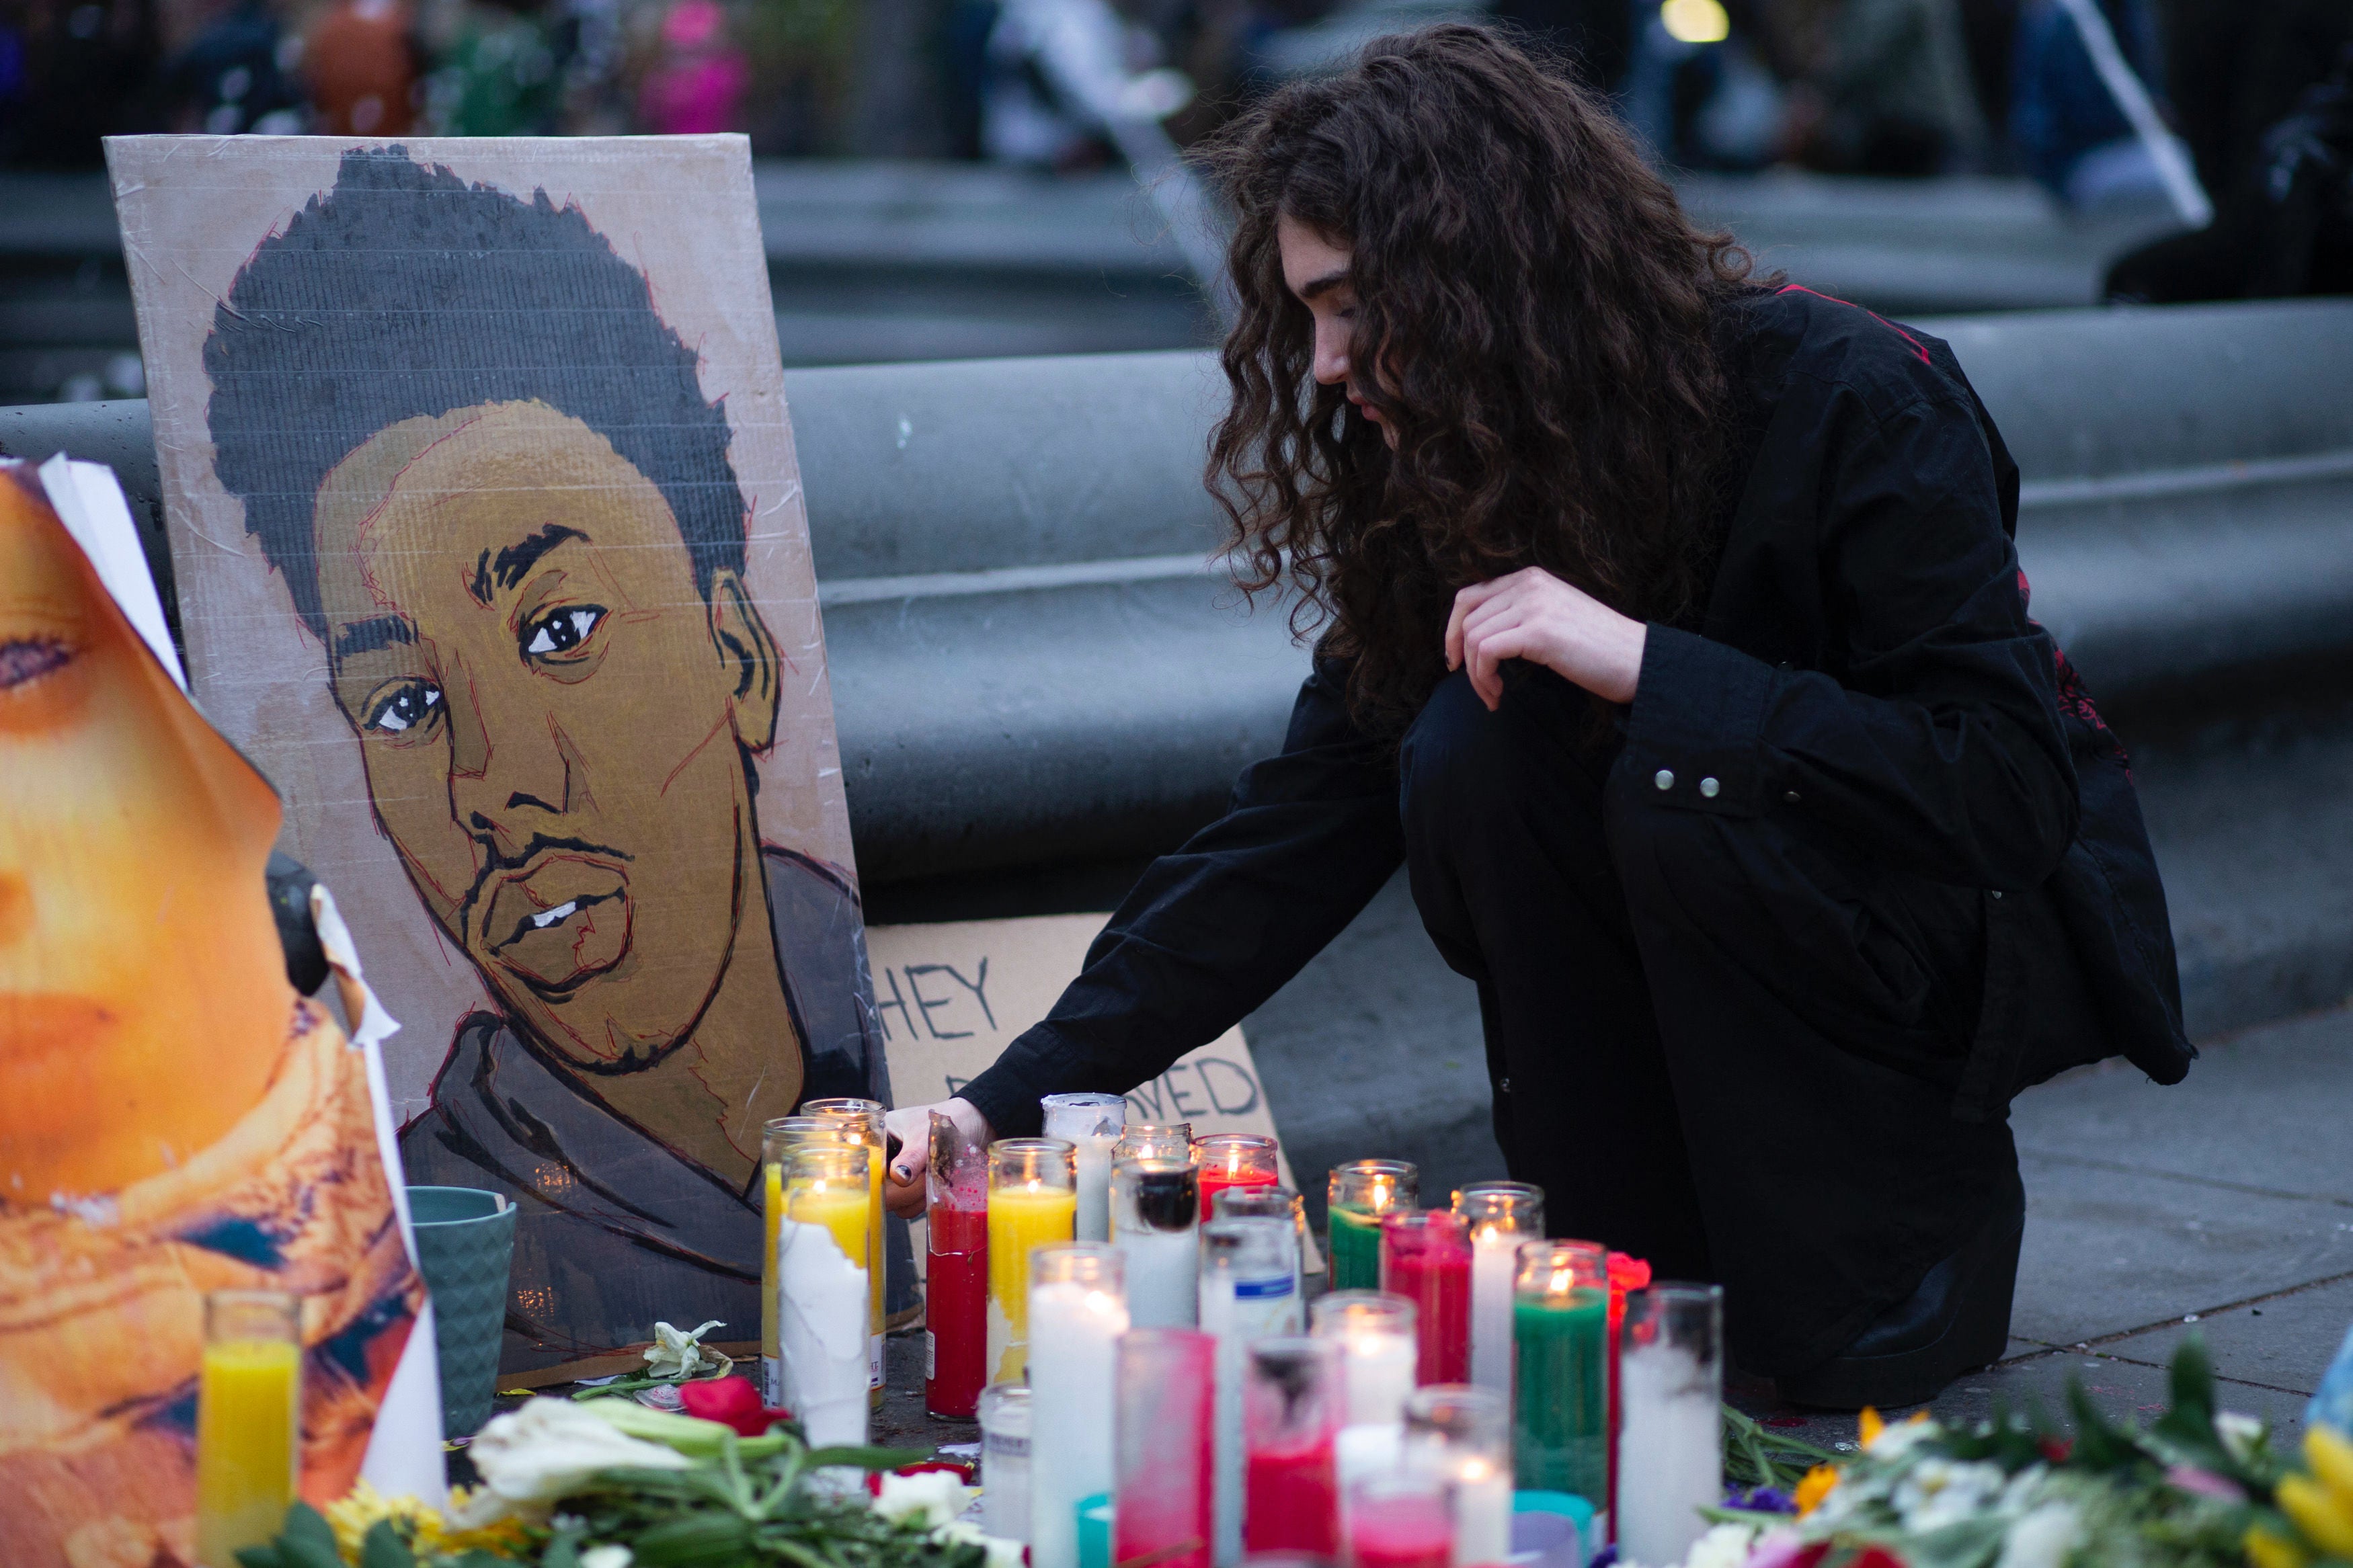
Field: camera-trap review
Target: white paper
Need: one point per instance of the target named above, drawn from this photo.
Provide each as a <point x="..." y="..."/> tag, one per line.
<point x="89" y="500"/>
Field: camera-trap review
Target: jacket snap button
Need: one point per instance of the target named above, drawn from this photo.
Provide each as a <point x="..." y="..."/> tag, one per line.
<point x="1789" y="796"/>
<point x="1708" y="788"/>
<point x="1665" y="779"/>
<point x="1996" y="892"/>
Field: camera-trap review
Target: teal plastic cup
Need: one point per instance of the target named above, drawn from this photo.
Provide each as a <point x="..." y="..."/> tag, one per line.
<point x="465" y="1248"/>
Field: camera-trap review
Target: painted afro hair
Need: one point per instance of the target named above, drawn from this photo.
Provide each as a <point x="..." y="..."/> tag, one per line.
<point x="405" y="293"/>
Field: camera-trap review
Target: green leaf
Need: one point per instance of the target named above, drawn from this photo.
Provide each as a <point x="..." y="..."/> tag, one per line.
<point x="2099" y="1445"/>
<point x="869" y="1458"/>
<point x="381" y="1547"/>
<point x="304" y="1541"/>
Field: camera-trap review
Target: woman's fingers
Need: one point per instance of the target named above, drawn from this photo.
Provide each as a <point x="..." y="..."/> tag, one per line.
<point x="1467" y="600"/>
<point x="912" y="1126"/>
<point x="1488" y="651"/>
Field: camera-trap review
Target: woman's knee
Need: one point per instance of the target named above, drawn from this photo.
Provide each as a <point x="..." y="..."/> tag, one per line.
<point x="1456" y="754"/>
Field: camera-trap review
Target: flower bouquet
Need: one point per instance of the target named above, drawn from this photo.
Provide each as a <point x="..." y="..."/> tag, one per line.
<point x="2197" y="1488"/>
<point x="611" y="1484"/>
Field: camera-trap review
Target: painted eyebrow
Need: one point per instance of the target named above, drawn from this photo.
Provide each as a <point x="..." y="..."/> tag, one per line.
<point x="509" y="566"/>
<point x="368" y="635"/>
<point x="1315" y="287"/>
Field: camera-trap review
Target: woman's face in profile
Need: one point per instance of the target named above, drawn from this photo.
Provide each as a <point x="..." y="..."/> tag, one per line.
<point x="143" y="996"/>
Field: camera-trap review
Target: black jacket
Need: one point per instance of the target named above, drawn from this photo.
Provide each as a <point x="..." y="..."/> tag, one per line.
<point x="1866" y="678"/>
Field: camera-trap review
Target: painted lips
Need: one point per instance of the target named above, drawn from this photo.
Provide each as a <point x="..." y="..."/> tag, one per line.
<point x="563" y="919"/>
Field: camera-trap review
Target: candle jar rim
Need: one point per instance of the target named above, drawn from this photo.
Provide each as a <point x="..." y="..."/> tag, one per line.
<point x="1154" y="1165"/>
<point x="1097" y="1264"/>
<point x="1425" y="1226"/>
<point x="1050" y="1161"/>
<point x="1159" y="1128"/>
<point x="840" y="1105"/>
<point x="1260" y="1201"/>
<point x="1681" y="1312"/>
<point x="1462" y="1414"/>
<point x="244" y="1315"/>
<point x="1331" y="1313"/>
<point x="1235" y="1140"/>
<point x="807" y="1162"/>
<point x="1086" y="1100"/>
<point x="781" y="1134"/>
<point x="1395" y="1181"/>
<point x="1535" y="1262"/>
<point x="843" y="1110"/>
<point x="1521" y="1200"/>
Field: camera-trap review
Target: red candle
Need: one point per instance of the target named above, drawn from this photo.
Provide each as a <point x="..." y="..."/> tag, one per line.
<point x="1626" y="1273"/>
<point x="1426" y="1257"/>
<point x="1400" y="1532"/>
<point x="1166" y="1441"/>
<point x="956" y="1304"/>
<point x="1291" y="1500"/>
<point x="1233" y="1160"/>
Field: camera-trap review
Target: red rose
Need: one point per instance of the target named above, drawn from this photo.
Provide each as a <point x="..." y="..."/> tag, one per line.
<point x="731" y="1402"/>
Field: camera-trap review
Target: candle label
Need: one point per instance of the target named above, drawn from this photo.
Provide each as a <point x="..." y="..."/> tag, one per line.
<point x="1264" y="1289"/>
<point x="1005" y="1445"/>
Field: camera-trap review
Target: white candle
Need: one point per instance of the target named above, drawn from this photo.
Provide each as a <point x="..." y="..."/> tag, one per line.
<point x="1077" y="1313"/>
<point x="1091" y="1124"/>
<point x="1377" y="1336"/>
<point x="1462" y="1437"/>
<point x="822" y="1330"/>
<point x="1005" y="1460"/>
<point x="1494" y="1253"/>
<point x="1154" y="1210"/>
<point x="1250" y="1289"/>
<point x="1669" y="1452"/>
<point x="1482" y="1514"/>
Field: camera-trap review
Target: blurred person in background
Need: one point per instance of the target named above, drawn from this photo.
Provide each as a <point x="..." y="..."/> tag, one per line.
<point x="1890" y="92"/>
<point x="1058" y="70"/>
<point x="1696" y="90"/>
<point x="695" y="87"/>
<point x="804" y="57"/>
<point x="236" y="75"/>
<point x="70" y="72"/>
<point x="360" y="61"/>
<point x="2064" y="124"/>
<point x="500" y="73"/>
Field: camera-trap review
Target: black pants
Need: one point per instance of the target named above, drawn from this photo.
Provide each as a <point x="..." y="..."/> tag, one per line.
<point x="1716" y="1042"/>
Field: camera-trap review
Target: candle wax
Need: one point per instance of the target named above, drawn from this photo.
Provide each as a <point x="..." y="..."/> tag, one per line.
<point x="1216" y="1179"/>
<point x="955" y="1308"/>
<point x="1073" y="1399"/>
<point x="247" y="1393"/>
<point x="1091" y="1221"/>
<point x="1172" y="1521"/>
<point x="1291" y="1500"/>
<point x="1238" y="1310"/>
<point x="1669" y="1454"/>
<point x="1020" y="1219"/>
<point x="772" y="1214"/>
<point x="821" y="1316"/>
<point x="1380" y="1368"/>
<point x="1005" y="1480"/>
<point x="1355" y="1250"/>
<point x="1493" y="1258"/>
<point x="1482" y="1516"/>
<point x="1560" y="1439"/>
<point x="1438" y="1281"/>
<point x="1400" y="1532"/>
<point x="1163" y="1270"/>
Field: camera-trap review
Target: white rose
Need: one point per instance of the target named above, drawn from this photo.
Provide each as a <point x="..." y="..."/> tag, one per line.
<point x="1724" y="1546"/>
<point x="531" y="1456"/>
<point x="611" y="1554"/>
<point x="929" y="1498"/>
<point x="2042" y="1539"/>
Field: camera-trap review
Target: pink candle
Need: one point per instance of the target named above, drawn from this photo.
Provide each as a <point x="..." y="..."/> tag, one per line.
<point x="1426" y="1257"/>
<point x="1408" y="1529"/>
<point x="1293" y="1400"/>
<point x="1291" y="1501"/>
<point x="1165" y="1437"/>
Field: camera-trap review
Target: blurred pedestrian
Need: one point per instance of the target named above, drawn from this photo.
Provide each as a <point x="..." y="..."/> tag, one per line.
<point x="237" y="77"/>
<point x="2065" y="124"/>
<point x="696" y="85"/>
<point x="360" y="61"/>
<point x="502" y="74"/>
<point x="1893" y="93"/>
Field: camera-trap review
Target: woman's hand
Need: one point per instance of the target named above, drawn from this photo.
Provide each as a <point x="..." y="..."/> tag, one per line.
<point x="1535" y="616"/>
<point x="904" y="1188"/>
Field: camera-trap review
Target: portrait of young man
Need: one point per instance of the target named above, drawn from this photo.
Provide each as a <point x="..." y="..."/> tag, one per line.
<point x="485" y="471"/>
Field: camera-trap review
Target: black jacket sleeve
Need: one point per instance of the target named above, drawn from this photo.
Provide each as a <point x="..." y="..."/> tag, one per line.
<point x="1929" y="736"/>
<point x="1215" y="928"/>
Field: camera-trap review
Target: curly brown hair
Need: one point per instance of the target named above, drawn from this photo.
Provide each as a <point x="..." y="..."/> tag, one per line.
<point x="1540" y="310"/>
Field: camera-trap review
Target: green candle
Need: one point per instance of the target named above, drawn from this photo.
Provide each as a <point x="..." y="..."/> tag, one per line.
<point x="1355" y="1250"/>
<point x="1561" y="1440"/>
<point x="1361" y="1191"/>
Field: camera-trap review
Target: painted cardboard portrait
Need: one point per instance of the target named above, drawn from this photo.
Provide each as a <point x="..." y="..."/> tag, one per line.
<point x="490" y="550"/>
<point x="174" y="1117"/>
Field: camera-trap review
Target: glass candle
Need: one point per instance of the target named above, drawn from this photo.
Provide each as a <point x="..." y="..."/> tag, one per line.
<point x="1561" y="1336"/>
<point x="1155" y="1223"/>
<point x="1294" y="1398"/>
<point x="1670" y="1450"/>
<point x="1234" y="1160"/>
<point x="1167" y="1467"/>
<point x="778" y="1136"/>
<point x="1032" y="1203"/>
<point x="1399" y="1520"/>
<point x="1005" y="1460"/>
<point x="1077" y="1310"/>
<point x="1154" y="1140"/>
<point x="1627" y="1274"/>
<point x="1090" y="1124"/>
<point x="824" y="1260"/>
<point x="1462" y="1435"/>
<point x="956" y="1274"/>
<point x="864" y="1118"/>
<point x="1377" y="1335"/>
<point x="1360" y="1192"/>
<point x="248" y="1420"/>
<point x="1249" y="1274"/>
<point x="1426" y="1257"/>
<point x="1500" y="1216"/>
<point x="1269" y="1203"/>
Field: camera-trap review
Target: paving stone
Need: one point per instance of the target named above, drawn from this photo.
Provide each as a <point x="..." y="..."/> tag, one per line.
<point x="2120" y="1389"/>
<point x="2286" y="1342"/>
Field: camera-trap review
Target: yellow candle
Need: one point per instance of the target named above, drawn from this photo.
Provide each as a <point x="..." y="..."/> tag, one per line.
<point x="772" y="1214"/>
<point x="841" y="1209"/>
<point x="1020" y="1220"/>
<point x="248" y="1407"/>
<point x="861" y="1122"/>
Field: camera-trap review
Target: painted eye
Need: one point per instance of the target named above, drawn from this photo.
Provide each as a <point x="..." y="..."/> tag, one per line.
<point x="29" y="659"/>
<point x="562" y="631"/>
<point x="405" y="707"/>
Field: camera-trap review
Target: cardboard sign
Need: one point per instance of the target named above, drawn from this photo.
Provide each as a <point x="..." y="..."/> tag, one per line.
<point x="488" y="531"/>
<point x="951" y="996"/>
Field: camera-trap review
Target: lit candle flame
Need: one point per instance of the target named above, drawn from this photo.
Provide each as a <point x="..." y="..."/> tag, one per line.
<point x="1562" y="1278"/>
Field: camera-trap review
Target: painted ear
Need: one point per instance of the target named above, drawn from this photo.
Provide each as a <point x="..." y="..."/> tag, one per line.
<point x="748" y="654"/>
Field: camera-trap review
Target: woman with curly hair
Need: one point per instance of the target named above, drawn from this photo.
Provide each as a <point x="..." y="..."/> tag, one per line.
<point x="1670" y="635"/>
